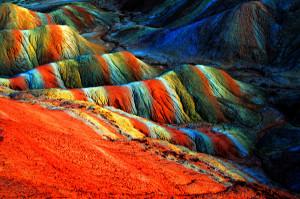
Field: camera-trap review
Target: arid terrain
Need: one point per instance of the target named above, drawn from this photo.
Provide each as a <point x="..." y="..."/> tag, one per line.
<point x="150" y="99"/>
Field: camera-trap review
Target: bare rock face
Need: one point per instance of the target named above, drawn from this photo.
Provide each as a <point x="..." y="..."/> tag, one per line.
<point x="149" y="98"/>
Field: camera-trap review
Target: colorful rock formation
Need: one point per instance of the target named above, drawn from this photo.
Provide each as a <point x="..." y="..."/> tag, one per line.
<point x="84" y="71"/>
<point x="150" y="99"/>
<point x="79" y="16"/>
<point x="186" y="94"/>
<point x="25" y="49"/>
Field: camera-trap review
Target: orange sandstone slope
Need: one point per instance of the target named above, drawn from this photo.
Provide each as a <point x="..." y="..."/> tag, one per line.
<point x="41" y="157"/>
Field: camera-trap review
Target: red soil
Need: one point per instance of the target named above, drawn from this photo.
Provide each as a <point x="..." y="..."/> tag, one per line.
<point x="49" y="19"/>
<point x="16" y="47"/>
<point x="48" y="153"/>
<point x="180" y="138"/>
<point x="55" y="40"/>
<point x="162" y="106"/>
<point x="88" y="18"/>
<point x="48" y="76"/>
<point x="79" y="94"/>
<point x="35" y="16"/>
<point x="119" y="97"/>
<point x="232" y="84"/>
<point x="140" y="126"/>
<point x="74" y="18"/>
<point x="18" y="83"/>
<point x="223" y="146"/>
<point x="132" y="64"/>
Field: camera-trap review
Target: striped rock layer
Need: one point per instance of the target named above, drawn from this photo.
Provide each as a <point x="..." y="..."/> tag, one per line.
<point x="221" y="140"/>
<point x="186" y="94"/>
<point x="183" y="95"/>
<point x="84" y="71"/>
<point x="224" y="140"/>
<point x="25" y="49"/>
<point x="80" y="16"/>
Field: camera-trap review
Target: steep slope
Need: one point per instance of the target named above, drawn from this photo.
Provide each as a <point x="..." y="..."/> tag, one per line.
<point x="171" y="13"/>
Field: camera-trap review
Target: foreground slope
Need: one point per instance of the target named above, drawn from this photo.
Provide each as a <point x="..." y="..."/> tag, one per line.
<point x="43" y="158"/>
